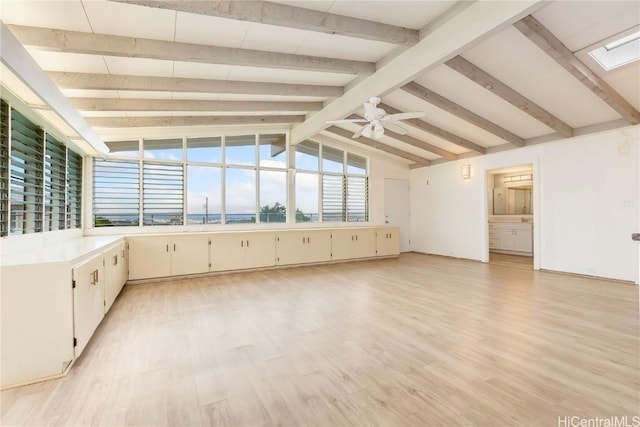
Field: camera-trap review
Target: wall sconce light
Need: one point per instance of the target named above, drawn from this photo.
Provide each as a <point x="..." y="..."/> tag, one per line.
<point x="466" y="171"/>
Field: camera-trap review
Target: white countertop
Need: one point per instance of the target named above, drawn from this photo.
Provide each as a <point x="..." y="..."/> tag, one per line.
<point x="68" y="251"/>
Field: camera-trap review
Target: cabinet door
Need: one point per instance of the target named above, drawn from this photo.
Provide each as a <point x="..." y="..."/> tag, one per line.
<point x="115" y="274"/>
<point x="494" y="237"/>
<point x="365" y="243"/>
<point x="523" y="240"/>
<point x="507" y="238"/>
<point x="260" y="250"/>
<point x="387" y="241"/>
<point x="189" y="254"/>
<point x="342" y="244"/>
<point x="318" y="246"/>
<point x="227" y="251"/>
<point x="149" y="257"/>
<point x="88" y="300"/>
<point x="290" y="247"/>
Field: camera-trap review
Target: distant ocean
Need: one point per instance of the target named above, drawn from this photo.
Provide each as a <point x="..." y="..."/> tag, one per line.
<point x="192" y="219"/>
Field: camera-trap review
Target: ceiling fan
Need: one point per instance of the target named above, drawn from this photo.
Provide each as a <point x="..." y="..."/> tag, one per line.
<point x="377" y="120"/>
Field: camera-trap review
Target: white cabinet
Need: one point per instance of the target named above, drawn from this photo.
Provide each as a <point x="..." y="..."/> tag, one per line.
<point x="163" y="256"/>
<point x="511" y="237"/>
<point x="115" y="272"/>
<point x="88" y="300"/>
<point x="242" y="250"/>
<point x="303" y="246"/>
<point x="36" y="322"/>
<point x="387" y="241"/>
<point x="352" y="243"/>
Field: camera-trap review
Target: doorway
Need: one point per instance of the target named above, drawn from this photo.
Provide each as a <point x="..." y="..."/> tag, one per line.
<point x="510" y="213"/>
<point x="396" y="209"/>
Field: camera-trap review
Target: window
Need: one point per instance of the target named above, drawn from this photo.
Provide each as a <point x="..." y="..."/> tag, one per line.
<point x="229" y="180"/>
<point x="162" y="188"/>
<point x="204" y="195"/>
<point x="344" y="195"/>
<point x="205" y="150"/>
<point x="40" y="178"/>
<point x="116" y="193"/>
<point x="307" y="197"/>
<point x="618" y="52"/>
<point x="240" y="195"/>
<point x="240" y="150"/>
<point x="163" y="149"/>
<point x="54" y="185"/>
<point x="333" y="193"/>
<point x="27" y="165"/>
<point x="357" y="196"/>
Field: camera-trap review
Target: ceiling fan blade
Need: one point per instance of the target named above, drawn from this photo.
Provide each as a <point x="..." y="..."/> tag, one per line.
<point x="378" y="130"/>
<point x="347" y="121"/>
<point x="404" y="116"/>
<point x="395" y="127"/>
<point x="365" y="131"/>
<point x="360" y="131"/>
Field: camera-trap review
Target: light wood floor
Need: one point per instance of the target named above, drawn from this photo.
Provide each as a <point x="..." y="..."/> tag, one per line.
<point x="511" y="260"/>
<point x="420" y="340"/>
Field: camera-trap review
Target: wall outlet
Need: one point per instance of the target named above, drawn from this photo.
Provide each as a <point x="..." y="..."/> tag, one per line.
<point x="627" y="203"/>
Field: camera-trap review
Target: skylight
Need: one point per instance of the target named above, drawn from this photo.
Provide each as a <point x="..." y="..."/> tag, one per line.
<point x="618" y="52"/>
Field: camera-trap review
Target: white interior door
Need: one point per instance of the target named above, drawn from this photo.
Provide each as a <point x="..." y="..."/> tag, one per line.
<point x="396" y="209"/>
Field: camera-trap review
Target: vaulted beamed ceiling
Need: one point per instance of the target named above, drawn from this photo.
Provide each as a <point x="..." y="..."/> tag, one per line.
<point x="489" y="75"/>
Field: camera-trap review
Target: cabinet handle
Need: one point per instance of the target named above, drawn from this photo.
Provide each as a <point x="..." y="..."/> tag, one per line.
<point x="242" y="243"/>
<point x="308" y="239"/>
<point x="352" y="238"/>
<point x="356" y="237"/>
<point x="167" y="248"/>
<point x="174" y="247"/>
<point x="115" y="260"/>
<point x="123" y="253"/>
<point x="247" y="243"/>
<point x="303" y="240"/>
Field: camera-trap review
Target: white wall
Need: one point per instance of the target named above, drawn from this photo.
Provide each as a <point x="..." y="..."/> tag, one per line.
<point x="585" y="197"/>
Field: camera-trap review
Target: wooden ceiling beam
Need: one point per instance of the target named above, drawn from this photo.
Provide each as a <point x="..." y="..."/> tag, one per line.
<point x="435" y="130"/>
<point x="505" y="92"/>
<point x="133" y="122"/>
<point x="131" y="47"/>
<point x="131" y="104"/>
<point x="173" y="84"/>
<point x="462" y="26"/>
<point x="372" y="143"/>
<point x="552" y="46"/>
<point x="281" y="15"/>
<point x="22" y="64"/>
<point x="451" y="107"/>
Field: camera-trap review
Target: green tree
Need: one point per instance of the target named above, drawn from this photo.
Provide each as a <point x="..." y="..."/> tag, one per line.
<point x="275" y="213"/>
<point x="102" y="222"/>
<point x="301" y="217"/>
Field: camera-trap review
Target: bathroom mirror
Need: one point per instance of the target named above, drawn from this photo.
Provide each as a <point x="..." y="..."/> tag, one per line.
<point x="512" y="201"/>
